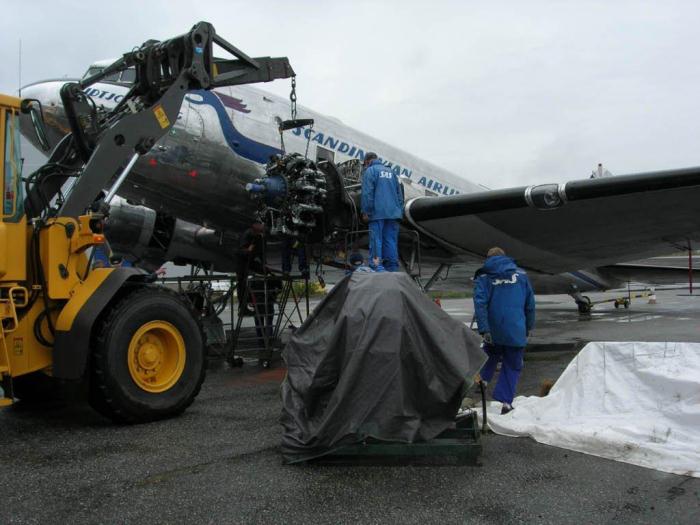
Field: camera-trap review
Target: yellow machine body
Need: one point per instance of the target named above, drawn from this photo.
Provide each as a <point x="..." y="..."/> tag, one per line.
<point x="65" y="286"/>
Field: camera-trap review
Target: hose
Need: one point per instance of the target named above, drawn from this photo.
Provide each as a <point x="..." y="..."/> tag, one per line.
<point x="483" y="406"/>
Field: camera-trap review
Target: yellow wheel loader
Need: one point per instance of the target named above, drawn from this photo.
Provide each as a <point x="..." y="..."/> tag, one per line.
<point x="137" y="345"/>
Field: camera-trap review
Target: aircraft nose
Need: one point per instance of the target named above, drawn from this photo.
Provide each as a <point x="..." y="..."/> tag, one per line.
<point x="55" y="123"/>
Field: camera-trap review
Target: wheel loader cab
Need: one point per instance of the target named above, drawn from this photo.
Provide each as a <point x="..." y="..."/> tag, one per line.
<point x="138" y="346"/>
<point x="12" y="239"/>
<point x="12" y="191"/>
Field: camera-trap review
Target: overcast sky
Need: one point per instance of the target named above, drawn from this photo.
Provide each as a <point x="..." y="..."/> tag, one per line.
<point x="504" y="94"/>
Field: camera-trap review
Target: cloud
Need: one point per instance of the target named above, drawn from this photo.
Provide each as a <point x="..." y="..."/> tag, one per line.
<point x="505" y="94"/>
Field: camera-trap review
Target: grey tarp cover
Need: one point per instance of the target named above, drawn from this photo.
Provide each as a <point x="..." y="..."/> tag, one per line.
<point x="377" y="358"/>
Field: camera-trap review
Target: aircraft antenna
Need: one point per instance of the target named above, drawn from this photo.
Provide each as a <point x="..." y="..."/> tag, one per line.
<point x="19" y="88"/>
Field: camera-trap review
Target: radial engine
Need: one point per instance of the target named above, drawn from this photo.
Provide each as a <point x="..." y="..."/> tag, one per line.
<point x="296" y="197"/>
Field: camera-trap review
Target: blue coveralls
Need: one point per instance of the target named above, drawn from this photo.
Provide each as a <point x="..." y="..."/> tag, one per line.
<point x="382" y="201"/>
<point x="102" y="258"/>
<point x="505" y="307"/>
<point x="291" y="247"/>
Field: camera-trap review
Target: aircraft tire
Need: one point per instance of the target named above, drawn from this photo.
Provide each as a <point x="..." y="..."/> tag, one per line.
<point x="149" y="357"/>
<point x="585" y="306"/>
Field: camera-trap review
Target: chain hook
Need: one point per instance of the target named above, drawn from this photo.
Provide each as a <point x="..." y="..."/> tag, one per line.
<point x="293" y="97"/>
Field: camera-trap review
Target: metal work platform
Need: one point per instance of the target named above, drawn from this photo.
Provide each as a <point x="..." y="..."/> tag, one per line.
<point x="409" y="241"/>
<point x="272" y="302"/>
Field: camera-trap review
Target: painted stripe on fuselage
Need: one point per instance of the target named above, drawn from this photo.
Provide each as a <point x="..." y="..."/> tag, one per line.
<point x="239" y="143"/>
<point x="260" y="152"/>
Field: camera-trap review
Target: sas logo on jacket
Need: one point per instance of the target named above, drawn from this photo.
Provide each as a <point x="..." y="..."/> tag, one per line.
<point x="512" y="280"/>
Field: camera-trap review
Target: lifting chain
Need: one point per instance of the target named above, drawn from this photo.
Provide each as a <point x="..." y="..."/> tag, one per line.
<point x="293" y="100"/>
<point x="293" y="97"/>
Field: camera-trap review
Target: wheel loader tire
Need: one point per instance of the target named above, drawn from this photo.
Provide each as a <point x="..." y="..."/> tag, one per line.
<point x="149" y="357"/>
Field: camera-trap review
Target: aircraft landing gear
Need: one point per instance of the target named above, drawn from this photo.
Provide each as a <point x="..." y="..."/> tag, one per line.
<point x="583" y="302"/>
<point x="584" y="306"/>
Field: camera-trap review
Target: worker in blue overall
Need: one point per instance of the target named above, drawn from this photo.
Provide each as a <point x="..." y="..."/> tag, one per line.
<point x="290" y="248"/>
<point x="504" y="305"/>
<point x="382" y="208"/>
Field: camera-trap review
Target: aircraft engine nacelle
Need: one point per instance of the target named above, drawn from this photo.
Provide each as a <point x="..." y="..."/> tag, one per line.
<point x="148" y="239"/>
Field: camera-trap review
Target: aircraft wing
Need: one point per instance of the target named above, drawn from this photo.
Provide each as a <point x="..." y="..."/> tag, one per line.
<point x="648" y="273"/>
<point x="555" y="228"/>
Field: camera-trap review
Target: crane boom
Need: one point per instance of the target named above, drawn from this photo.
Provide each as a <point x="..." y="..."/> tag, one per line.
<point x="101" y="143"/>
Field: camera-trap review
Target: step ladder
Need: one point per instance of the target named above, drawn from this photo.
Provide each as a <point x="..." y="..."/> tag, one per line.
<point x="15" y="296"/>
<point x="266" y="300"/>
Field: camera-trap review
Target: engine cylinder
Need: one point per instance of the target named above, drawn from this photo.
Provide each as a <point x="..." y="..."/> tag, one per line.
<point x="292" y="196"/>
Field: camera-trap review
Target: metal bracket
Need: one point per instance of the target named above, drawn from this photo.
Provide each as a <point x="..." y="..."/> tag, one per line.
<point x="433" y="279"/>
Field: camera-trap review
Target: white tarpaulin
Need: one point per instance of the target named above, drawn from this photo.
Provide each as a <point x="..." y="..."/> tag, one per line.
<point x="633" y="402"/>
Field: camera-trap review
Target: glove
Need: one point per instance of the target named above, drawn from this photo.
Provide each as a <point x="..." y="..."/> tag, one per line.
<point x="487" y="338"/>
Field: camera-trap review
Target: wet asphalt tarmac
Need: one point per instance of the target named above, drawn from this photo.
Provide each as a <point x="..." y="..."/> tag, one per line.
<point x="220" y="463"/>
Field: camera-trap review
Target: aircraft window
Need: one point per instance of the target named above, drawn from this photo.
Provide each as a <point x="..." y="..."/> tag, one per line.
<point x="129" y="75"/>
<point x="92" y="71"/>
<point x="114" y="77"/>
<point x="324" y="154"/>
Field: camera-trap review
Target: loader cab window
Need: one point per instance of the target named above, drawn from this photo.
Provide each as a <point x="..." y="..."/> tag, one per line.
<point x="11" y="193"/>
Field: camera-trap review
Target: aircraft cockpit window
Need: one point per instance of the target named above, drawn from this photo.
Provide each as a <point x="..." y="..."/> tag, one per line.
<point x="114" y="77"/>
<point x="92" y="71"/>
<point x="128" y="75"/>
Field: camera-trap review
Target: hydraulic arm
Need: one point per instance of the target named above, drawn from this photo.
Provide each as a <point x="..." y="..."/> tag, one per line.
<point x="139" y="346"/>
<point x="101" y="143"/>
